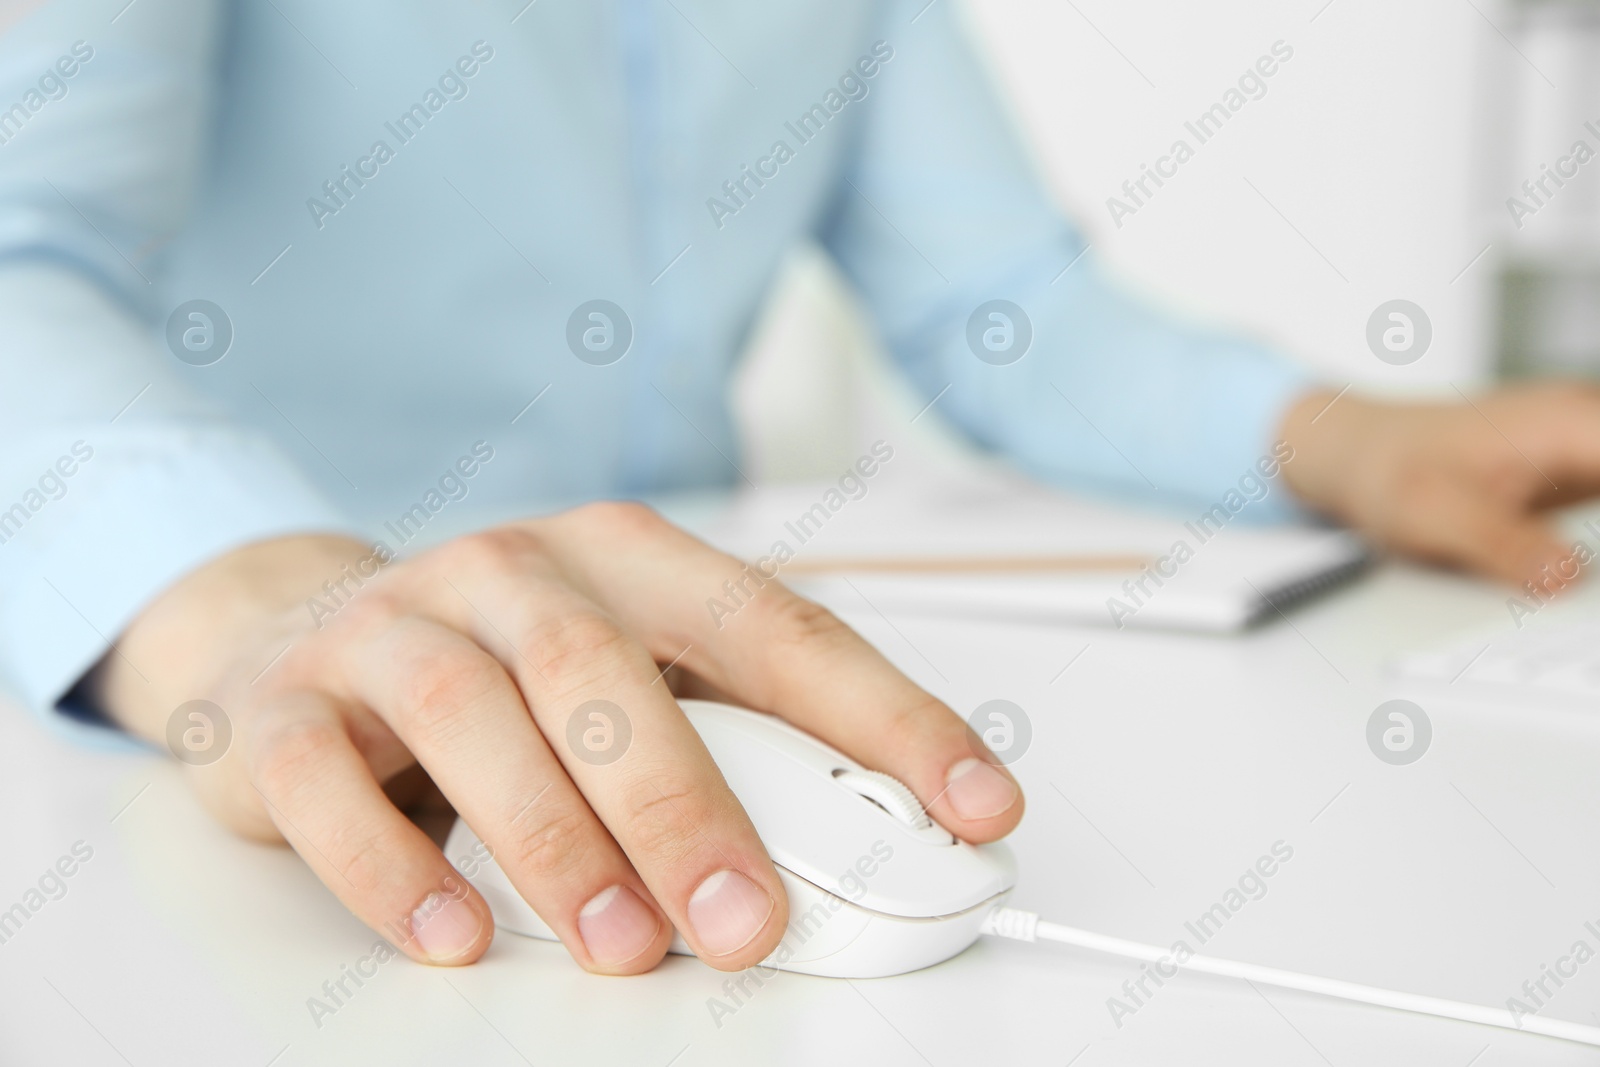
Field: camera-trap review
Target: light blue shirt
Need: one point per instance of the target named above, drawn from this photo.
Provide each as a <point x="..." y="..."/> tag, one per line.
<point x="404" y="210"/>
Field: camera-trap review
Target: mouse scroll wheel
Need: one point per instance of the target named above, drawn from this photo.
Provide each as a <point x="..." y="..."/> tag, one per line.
<point x="888" y="793"/>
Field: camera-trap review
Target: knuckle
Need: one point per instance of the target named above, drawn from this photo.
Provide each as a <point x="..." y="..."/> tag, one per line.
<point x="284" y="751"/>
<point x="792" y="619"/>
<point x="575" y="644"/>
<point x="361" y="856"/>
<point x="491" y="551"/>
<point x="373" y="611"/>
<point x="904" y="725"/>
<point x="434" y="696"/>
<point x="667" y="815"/>
<point x="629" y="516"/>
<point x="554" y="848"/>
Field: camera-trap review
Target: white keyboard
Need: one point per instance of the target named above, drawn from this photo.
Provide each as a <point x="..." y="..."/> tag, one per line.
<point x="1557" y="658"/>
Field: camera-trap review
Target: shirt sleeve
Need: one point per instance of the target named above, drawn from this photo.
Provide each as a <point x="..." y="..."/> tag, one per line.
<point x="115" y="480"/>
<point x="940" y="213"/>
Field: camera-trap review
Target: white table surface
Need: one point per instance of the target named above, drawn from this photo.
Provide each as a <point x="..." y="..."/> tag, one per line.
<point x="1162" y="766"/>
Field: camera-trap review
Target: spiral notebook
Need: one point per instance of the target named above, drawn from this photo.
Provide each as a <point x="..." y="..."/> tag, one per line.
<point x="1009" y="549"/>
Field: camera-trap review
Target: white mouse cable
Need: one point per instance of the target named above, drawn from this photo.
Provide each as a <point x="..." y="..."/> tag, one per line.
<point x="1026" y="926"/>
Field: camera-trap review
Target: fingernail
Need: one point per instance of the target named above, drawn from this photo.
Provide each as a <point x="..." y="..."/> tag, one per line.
<point x="977" y="791"/>
<point x="445" y="928"/>
<point x="616" y="926"/>
<point x="728" y="911"/>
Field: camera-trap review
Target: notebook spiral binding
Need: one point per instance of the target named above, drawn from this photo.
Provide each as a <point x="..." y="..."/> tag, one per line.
<point x="1291" y="594"/>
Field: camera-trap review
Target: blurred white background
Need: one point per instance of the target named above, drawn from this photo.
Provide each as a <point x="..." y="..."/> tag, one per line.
<point x="1381" y="158"/>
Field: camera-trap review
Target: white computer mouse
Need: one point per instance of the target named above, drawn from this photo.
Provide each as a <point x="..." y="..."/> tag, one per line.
<point x="875" y="886"/>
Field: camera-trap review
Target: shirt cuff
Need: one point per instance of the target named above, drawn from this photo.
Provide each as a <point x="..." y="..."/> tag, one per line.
<point x="146" y="507"/>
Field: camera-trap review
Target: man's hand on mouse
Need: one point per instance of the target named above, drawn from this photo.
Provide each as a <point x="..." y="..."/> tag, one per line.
<point x="1464" y="484"/>
<point x="470" y="660"/>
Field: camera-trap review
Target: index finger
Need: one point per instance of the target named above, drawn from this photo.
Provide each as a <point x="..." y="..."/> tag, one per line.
<point x="656" y="789"/>
<point x="785" y="654"/>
